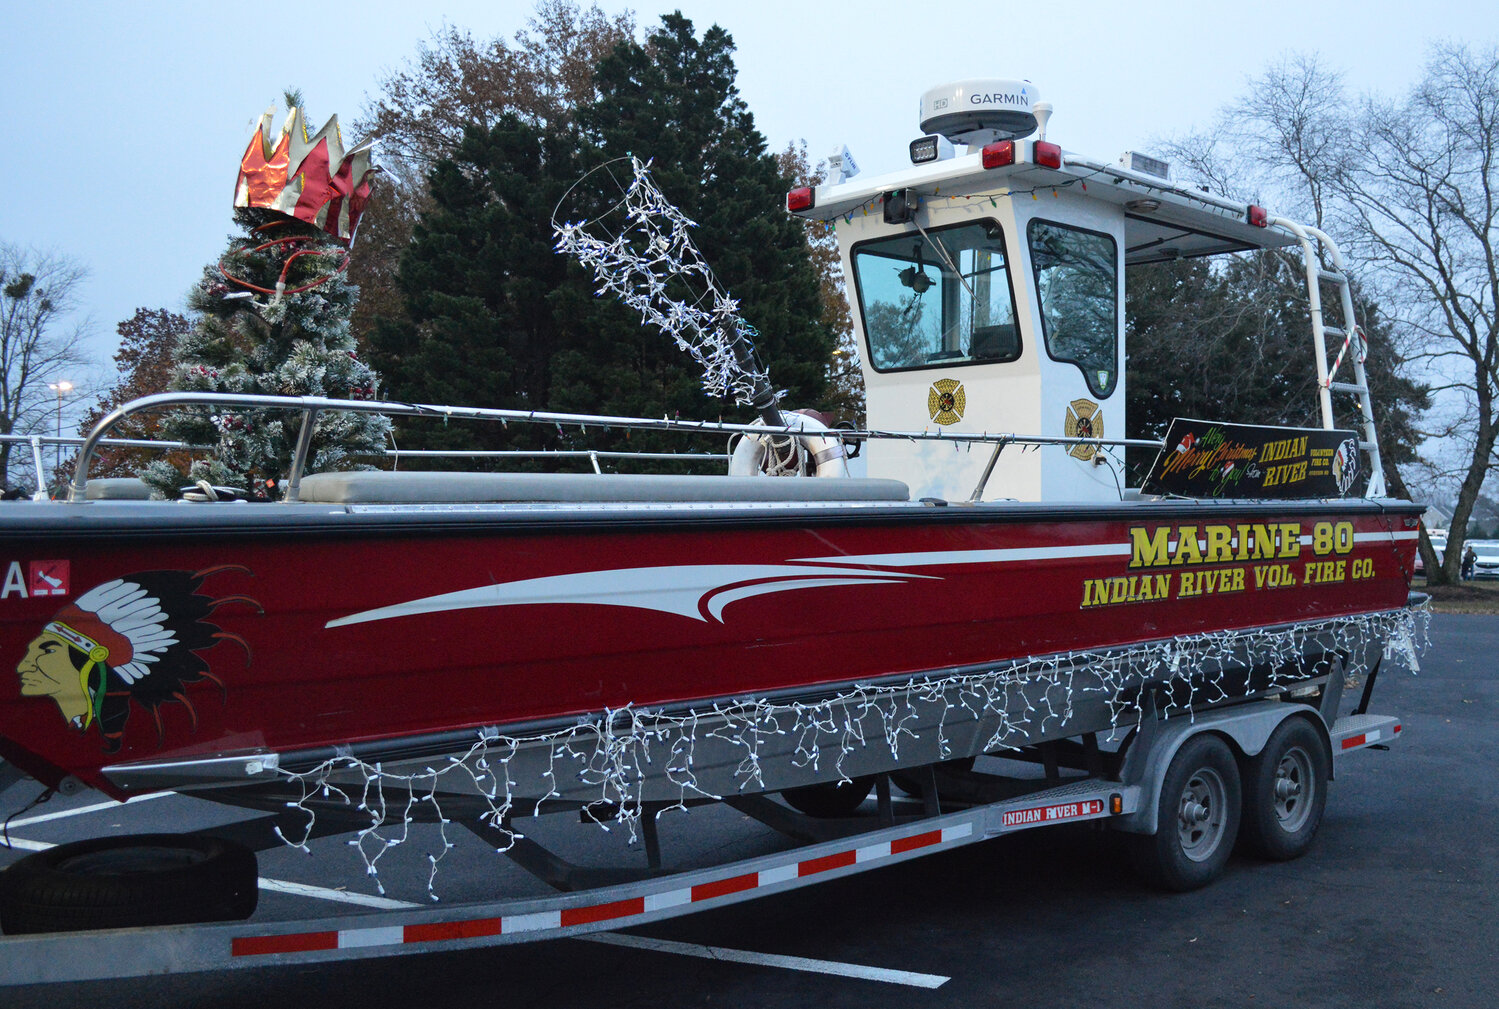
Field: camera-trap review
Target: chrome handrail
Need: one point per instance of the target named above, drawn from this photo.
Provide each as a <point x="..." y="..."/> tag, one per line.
<point x="310" y="406"/>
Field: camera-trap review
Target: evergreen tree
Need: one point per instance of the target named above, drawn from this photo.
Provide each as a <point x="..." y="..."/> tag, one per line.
<point x="478" y="279"/>
<point x="674" y="101"/>
<point x="453" y="83"/>
<point x="296" y="344"/>
<point x="496" y="318"/>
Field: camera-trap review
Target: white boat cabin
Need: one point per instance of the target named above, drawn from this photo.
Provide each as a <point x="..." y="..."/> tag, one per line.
<point x="987" y="290"/>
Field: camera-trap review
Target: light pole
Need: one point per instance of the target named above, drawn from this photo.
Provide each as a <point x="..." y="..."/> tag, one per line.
<point x="61" y="387"/>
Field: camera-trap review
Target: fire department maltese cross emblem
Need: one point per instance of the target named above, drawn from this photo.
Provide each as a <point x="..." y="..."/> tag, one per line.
<point x="1084" y="420"/>
<point x="946" y="401"/>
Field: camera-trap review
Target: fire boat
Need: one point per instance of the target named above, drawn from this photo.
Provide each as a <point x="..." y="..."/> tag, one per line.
<point x="988" y="584"/>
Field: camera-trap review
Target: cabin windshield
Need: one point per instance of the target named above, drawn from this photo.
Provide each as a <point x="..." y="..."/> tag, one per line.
<point x="1077" y="278"/>
<point x="937" y="300"/>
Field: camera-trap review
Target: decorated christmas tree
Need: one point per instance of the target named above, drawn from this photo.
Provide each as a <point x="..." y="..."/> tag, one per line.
<point x="273" y="319"/>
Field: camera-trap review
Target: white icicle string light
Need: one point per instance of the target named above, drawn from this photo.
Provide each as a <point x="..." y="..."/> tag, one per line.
<point x="615" y="752"/>
<point x="652" y="248"/>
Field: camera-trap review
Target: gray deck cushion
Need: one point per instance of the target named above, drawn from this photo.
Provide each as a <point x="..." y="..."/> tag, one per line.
<point x="442" y="488"/>
<point x="117" y="488"/>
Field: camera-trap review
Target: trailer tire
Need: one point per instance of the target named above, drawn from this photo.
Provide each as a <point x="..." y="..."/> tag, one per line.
<point x="125" y="882"/>
<point x="1285" y="791"/>
<point x="1198" y="817"/>
<point x="830" y="800"/>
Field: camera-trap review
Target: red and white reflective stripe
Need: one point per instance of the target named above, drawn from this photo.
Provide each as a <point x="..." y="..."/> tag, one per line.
<point x="396" y="935"/>
<point x="1367" y="738"/>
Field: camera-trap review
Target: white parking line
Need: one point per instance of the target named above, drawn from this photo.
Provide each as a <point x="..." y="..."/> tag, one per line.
<point x="64" y="813"/>
<point x="20" y="845"/>
<point x="342" y="896"/>
<point x="884" y="974"/>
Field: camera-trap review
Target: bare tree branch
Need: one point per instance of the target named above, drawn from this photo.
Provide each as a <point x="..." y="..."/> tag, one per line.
<point x="38" y="290"/>
<point x="1422" y="199"/>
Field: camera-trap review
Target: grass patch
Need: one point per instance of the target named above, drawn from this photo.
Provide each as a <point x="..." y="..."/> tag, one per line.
<point x="1464" y="597"/>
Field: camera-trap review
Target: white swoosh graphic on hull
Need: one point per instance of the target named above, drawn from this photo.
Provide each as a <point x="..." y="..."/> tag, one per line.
<point x="933" y="558"/>
<point x="703" y="591"/>
<point x="686" y="589"/>
<point x="718" y="600"/>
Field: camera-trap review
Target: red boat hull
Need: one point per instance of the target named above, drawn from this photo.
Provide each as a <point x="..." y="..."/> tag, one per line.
<point x="331" y="627"/>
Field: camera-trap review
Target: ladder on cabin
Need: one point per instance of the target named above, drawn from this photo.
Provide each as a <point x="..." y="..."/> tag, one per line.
<point x="1352" y="346"/>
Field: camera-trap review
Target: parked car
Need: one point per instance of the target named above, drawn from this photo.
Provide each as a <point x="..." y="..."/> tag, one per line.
<point x="1439" y="544"/>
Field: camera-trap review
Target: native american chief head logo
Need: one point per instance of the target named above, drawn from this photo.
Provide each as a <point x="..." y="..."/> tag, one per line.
<point x="136" y="640"/>
<point x="1345" y="465"/>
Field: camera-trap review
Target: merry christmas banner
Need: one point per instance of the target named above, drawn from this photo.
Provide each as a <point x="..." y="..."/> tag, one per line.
<point x="1211" y="459"/>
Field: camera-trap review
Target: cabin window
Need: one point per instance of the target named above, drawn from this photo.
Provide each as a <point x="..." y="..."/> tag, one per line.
<point x="1077" y="280"/>
<point x="937" y="300"/>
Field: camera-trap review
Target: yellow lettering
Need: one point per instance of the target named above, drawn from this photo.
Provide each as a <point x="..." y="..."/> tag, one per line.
<point x="1187" y="549"/>
<point x="1218" y="544"/>
<point x="1264" y="542"/>
<point x="1320" y="572"/>
<point x="1273" y="576"/>
<point x="1150" y="549"/>
<point x="1290" y="539"/>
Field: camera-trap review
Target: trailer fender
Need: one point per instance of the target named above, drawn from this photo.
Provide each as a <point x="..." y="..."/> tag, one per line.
<point x="1246" y="727"/>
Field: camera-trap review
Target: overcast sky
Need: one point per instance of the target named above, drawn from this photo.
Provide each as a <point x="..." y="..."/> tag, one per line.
<point x="125" y="122"/>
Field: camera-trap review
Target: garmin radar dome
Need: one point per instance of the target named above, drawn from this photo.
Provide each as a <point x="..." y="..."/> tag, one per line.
<point x="980" y="111"/>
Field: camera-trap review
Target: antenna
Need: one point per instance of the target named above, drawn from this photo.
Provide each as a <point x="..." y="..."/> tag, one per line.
<point x="1043" y="116"/>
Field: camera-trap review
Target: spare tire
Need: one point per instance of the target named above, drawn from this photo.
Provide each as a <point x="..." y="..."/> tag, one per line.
<point x="125" y="882"/>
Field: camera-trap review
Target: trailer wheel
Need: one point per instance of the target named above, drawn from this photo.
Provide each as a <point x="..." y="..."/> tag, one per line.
<point x="124" y="882"/>
<point x="1285" y="791"/>
<point x="1198" y="820"/>
<point x="830" y="800"/>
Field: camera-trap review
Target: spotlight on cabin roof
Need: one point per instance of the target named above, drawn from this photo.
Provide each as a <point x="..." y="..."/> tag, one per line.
<point x="980" y="111"/>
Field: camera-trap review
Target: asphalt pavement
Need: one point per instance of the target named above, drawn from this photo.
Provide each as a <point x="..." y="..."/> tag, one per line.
<point x="1394" y="906"/>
